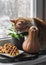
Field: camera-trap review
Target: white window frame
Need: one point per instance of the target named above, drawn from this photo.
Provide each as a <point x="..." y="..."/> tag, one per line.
<point x="36" y="9"/>
<point x="33" y="8"/>
<point x="39" y="8"/>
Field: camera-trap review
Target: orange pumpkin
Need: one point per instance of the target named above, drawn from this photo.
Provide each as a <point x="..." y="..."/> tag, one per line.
<point x="31" y="44"/>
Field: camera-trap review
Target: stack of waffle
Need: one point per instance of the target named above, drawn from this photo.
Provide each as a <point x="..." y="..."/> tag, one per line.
<point x="10" y="49"/>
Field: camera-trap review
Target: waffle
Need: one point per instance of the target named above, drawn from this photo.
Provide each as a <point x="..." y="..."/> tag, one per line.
<point x="10" y="49"/>
<point x="1" y="49"/>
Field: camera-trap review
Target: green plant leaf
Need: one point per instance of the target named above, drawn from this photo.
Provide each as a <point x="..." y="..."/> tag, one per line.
<point x="10" y="29"/>
<point x="21" y="35"/>
<point x="13" y="33"/>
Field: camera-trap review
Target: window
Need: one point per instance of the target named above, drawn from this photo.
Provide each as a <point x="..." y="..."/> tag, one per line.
<point x="11" y="9"/>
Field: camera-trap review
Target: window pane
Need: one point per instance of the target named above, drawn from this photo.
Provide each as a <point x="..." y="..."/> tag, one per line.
<point x="11" y="9"/>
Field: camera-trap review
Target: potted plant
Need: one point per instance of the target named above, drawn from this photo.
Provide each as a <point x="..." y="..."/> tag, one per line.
<point x="17" y="38"/>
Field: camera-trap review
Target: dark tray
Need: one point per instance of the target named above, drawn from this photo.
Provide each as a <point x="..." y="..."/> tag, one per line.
<point x="22" y="57"/>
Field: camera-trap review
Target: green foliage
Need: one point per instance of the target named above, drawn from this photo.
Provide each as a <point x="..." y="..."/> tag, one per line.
<point x="13" y="33"/>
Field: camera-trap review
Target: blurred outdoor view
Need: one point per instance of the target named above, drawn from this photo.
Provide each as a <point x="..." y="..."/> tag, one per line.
<point x="11" y="9"/>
